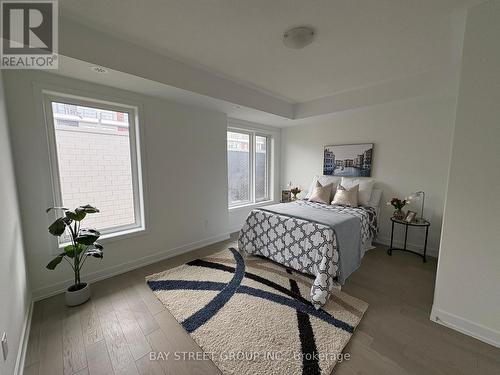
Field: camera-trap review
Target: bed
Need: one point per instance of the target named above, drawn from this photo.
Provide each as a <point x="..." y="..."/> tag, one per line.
<point x="325" y="241"/>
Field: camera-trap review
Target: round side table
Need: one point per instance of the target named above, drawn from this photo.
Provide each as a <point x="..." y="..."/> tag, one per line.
<point x="423" y="224"/>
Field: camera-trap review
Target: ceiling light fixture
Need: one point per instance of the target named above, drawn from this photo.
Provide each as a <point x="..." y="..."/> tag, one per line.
<point x="98" y="69"/>
<point x="299" y="37"/>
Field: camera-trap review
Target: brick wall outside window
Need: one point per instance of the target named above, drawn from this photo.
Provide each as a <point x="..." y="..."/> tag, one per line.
<point x="95" y="168"/>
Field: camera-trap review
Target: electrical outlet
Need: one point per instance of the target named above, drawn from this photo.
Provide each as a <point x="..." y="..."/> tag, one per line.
<point x="5" y="346"/>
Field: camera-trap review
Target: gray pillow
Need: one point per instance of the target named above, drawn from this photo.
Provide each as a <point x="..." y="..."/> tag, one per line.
<point x="321" y="194"/>
<point x="346" y="197"/>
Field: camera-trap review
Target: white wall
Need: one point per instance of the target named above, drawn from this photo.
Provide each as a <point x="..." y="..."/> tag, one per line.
<point x="412" y="145"/>
<point x="184" y="160"/>
<point x="14" y="288"/>
<point x="467" y="294"/>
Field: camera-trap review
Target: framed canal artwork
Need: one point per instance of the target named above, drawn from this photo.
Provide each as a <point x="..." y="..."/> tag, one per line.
<point x="348" y="160"/>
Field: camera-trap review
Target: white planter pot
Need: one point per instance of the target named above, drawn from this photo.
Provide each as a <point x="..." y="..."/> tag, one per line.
<point x="77" y="297"/>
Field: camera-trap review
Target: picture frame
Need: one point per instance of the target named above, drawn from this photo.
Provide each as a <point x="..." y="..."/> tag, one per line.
<point x="410" y="216"/>
<point x="348" y="160"/>
<point x="286" y="196"/>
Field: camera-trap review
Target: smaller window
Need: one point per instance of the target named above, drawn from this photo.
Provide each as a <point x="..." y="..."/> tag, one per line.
<point x="248" y="160"/>
<point x="239" y="167"/>
<point x="261" y="169"/>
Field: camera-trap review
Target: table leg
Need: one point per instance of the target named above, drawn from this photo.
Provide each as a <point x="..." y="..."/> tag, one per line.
<point x="392" y="237"/>
<point x="425" y="243"/>
<point x="406" y="235"/>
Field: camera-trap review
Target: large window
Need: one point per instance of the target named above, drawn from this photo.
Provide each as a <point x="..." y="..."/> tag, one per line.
<point x="95" y="160"/>
<point x="249" y="160"/>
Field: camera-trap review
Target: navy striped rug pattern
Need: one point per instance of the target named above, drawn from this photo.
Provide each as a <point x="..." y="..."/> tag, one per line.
<point x="253" y="316"/>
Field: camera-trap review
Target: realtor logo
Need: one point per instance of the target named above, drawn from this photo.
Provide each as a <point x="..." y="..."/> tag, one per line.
<point x="29" y="35"/>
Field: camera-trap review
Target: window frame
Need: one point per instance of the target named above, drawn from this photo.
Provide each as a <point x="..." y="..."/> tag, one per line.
<point x="268" y="196"/>
<point x="48" y="97"/>
<point x="253" y="134"/>
<point x="250" y="168"/>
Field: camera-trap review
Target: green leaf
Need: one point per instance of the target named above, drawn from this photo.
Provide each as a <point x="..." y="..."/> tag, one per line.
<point x="67" y="220"/>
<point x="55" y="208"/>
<point x="57" y="227"/>
<point x="76" y="215"/>
<point x="87" y="236"/>
<point x="70" y="250"/>
<point x="96" y="253"/>
<point x="54" y="262"/>
<point x="88" y="209"/>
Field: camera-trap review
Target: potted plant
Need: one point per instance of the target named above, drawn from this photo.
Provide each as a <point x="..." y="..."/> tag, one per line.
<point x="398" y="204"/>
<point x="83" y="245"/>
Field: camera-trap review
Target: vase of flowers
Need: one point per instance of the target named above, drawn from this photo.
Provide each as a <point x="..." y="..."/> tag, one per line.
<point x="398" y="204"/>
<point x="295" y="191"/>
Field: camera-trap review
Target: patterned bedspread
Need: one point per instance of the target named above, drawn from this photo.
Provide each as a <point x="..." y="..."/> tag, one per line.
<point x="304" y="245"/>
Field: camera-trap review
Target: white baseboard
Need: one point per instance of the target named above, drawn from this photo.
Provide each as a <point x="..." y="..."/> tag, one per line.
<point x="235" y="229"/>
<point x="466" y="326"/>
<point x="51" y="290"/>
<point x="23" y="344"/>
<point x="431" y="251"/>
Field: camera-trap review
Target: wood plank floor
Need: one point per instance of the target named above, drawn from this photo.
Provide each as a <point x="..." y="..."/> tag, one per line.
<point x="123" y="322"/>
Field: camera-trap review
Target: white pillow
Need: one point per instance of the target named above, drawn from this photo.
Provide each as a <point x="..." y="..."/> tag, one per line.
<point x="365" y="188"/>
<point x="375" y="198"/>
<point x="323" y="180"/>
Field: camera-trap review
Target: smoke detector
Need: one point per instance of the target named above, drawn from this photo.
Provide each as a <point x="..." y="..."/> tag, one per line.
<point x="298" y="37"/>
<point x="98" y="69"/>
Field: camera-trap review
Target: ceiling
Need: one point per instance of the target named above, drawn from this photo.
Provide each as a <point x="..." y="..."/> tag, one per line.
<point x="82" y="70"/>
<point x="359" y="42"/>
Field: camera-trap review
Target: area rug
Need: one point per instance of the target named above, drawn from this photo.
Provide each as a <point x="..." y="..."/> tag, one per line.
<point x="253" y="316"/>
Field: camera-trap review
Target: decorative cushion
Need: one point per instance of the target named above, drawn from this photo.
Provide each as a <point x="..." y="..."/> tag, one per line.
<point x="365" y="188"/>
<point x="321" y="194"/>
<point x="346" y="197"/>
<point x="323" y="180"/>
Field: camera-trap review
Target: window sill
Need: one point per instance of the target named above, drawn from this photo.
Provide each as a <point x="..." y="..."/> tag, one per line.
<point x="250" y="205"/>
<point x="115" y="236"/>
